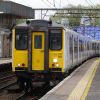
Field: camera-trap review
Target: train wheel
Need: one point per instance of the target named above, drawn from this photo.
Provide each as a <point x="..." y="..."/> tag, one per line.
<point x="20" y="82"/>
<point x="25" y="85"/>
<point x="28" y="87"/>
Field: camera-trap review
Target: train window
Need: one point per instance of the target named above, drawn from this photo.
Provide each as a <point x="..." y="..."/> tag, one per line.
<point x="38" y="41"/>
<point x="88" y="48"/>
<point x="71" y="45"/>
<point x="92" y="46"/>
<point x="21" y="39"/>
<point x="97" y="46"/>
<point x="81" y="45"/>
<point x="55" y="39"/>
<point x="75" y="45"/>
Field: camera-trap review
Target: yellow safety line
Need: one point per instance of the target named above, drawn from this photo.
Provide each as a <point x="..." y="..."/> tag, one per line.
<point x="77" y="93"/>
<point x="89" y="83"/>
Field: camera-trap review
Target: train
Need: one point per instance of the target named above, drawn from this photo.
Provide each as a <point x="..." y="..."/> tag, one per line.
<point x="43" y="50"/>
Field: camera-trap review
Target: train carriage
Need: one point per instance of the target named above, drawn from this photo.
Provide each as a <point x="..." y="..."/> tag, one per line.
<point x="38" y="49"/>
<point x="46" y="51"/>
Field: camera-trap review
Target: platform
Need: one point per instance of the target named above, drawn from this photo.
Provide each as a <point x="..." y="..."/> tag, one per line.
<point x="94" y="91"/>
<point x="5" y="60"/>
<point x="82" y="84"/>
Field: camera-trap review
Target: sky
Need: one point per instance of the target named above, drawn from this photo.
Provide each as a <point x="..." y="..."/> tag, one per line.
<point x="57" y="4"/>
<point x="53" y="4"/>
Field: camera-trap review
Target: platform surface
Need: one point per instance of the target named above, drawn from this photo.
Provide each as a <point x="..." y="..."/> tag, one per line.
<point x="77" y="85"/>
<point x="5" y="60"/>
<point x="94" y="91"/>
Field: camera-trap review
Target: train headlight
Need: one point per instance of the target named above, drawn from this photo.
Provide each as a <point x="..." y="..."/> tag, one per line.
<point x="18" y="65"/>
<point x="55" y="60"/>
<point x="57" y="65"/>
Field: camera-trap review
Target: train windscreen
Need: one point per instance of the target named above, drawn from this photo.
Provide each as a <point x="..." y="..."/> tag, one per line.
<point x="55" y="39"/>
<point x="21" y="38"/>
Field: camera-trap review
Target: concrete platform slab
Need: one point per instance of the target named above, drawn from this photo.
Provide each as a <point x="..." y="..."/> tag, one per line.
<point x="5" y="60"/>
<point x="94" y="92"/>
<point x="73" y="87"/>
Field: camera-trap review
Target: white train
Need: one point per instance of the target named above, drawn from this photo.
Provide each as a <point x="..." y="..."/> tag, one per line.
<point x="78" y="48"/>
<point x="47" y="51"/>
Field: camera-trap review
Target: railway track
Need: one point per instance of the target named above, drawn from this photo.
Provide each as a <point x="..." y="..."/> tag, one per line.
<point x="25" y="97"/>
<point x="7" y="79"/>
<point x="39" y="89"/>
<point x="16" y="94"/>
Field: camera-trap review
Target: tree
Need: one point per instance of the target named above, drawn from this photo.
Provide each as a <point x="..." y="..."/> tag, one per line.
<point x="74" y="19"/>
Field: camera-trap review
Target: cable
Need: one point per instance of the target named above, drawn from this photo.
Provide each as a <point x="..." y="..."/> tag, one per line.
<point x="92" y="3"/>
<point x="89" y="4"/>
<point x="54" y="3"/>
<point x="93" y="16"/>
<point x="51" y="3"/>
<point x="57" y="3"/>
<point x="45" y="3"/>
<point x="47" y="10"/>
<point x="45" y="14"/>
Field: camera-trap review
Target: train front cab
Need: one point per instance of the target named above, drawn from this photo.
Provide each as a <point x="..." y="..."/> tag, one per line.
<point x="56" y="52"/>
<point x="19" y="49"/>
<point x="42" y="63"/>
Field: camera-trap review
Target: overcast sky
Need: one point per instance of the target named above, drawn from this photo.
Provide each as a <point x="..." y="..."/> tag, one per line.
<point x="53" y="4"/>
<point x="58" y="3"/>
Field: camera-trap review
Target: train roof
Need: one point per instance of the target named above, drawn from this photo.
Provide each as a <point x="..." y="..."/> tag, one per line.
<point x="71" y="32"/>
<point x="46" y="23"/>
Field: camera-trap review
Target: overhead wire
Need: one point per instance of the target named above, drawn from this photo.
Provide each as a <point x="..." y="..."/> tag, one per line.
<point x="49" y="6"/>
<point x="45" y="14"/>
<point x="51" y="3"/>
<point x="89" y="4"/>
<point x="54" y="3"/>
<point x="47" y="10"/>
<point x="46" y="3"/>
<point x="92" y="3"/>
<point x="94" y="15"/>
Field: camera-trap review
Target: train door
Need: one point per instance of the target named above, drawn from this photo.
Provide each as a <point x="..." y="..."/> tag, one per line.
<point x="71" y="49"/>
<point x="38" y="51"/>
<point x="75" y="50"/>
